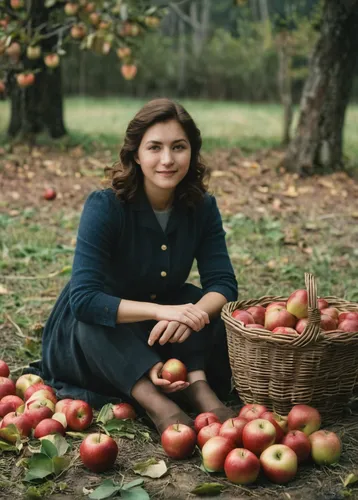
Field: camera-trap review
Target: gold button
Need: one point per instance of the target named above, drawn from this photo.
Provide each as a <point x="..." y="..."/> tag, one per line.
<point x="153" y="296"/>
<point x="163" y="274"/>
<point x="164" y="247"/>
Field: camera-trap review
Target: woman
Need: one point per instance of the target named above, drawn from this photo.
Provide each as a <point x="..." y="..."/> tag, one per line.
<point x="127" y="307"/>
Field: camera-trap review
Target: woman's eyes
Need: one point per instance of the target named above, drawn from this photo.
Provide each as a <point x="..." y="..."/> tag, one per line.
<point x="178" y="146"/>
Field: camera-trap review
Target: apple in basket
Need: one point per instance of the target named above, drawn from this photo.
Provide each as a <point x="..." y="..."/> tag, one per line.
<point x="328" y="323"/>
<point x="301" y="325"/>
<point x="331" y="311"/>
<point x="254" y="325"/>
<point x="243" y="316"/>
<point x="258" y="313"/>
<point x="284" y="330"/>
<point x="276" y="306"/>
<point x="241" y="466"/>
<point x="342" y="316"/>
<point x="304" y="418"/>
<point x="297" y="304"/>
<point x="348" y="325"/>
<point x="322" y="304"/>
<point x="281" y="317"/>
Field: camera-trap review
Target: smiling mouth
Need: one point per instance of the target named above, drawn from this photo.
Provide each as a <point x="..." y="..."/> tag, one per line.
<point x="167" y="172"/>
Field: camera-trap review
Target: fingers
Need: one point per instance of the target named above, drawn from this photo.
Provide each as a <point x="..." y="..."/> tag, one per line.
<point x="179" y="332"/>
<point x="185" y="335"/>
<point x="176" y="386"/>
<point x="154" y="375"/>
<point x="157" y="331"/>
<point x="200" y="314"/>
<point x="170" y="331"/>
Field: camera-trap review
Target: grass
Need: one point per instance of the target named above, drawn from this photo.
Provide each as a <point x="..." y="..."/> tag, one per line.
<point x="223" y="124"/>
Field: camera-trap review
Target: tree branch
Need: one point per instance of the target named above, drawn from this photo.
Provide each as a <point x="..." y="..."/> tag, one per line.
<point x="184" y="17"/>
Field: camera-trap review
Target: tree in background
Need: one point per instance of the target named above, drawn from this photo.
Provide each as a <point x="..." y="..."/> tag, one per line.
<point x="34" y="35"/>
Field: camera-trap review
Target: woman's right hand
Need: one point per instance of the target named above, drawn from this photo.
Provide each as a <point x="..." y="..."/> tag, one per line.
<point x="187" y="314"/>
<point x="166" y="386"/>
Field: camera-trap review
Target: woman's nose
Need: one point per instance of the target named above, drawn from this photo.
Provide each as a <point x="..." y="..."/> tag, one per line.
<point x="167" y="157"/>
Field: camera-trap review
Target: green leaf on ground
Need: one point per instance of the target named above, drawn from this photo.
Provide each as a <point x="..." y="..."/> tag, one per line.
<point x="59" y="442"/>
<point x="105" y="490"/>
<point x="40" y="466"/>
<point x="5" y="446"/>
<point x="151" y="468"/>
<point x="350" y="479"/>
<point x="133" y="484"/>
<point x="48" y="448"/>
<point x="210" y="489"/>
<point x="105" y="414"/>
<point x="135" y="494"/>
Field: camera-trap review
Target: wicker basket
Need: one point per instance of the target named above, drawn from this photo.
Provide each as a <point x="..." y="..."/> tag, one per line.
<point x="281" y="370"/>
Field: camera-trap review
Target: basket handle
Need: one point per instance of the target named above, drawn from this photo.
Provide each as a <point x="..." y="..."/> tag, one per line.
<point x="311" y="333"/>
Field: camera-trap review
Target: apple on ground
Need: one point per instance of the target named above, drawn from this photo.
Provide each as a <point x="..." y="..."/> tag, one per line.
<point x="282" y="317"/>
<point x="232" y="429"/>
<point x="48" y="426"/>
<point x="299" y="443"/>
<point x="98" y="452"/>
<point x="25" y="381"/>
<point x="49" y="194"/>
<point x="243" y="316"/>
<point x="9" y="404"/>
<point x="276" y="306"/>
<point x="326" y="447"/>
<point x="7" y="387"/>
<point x="331" y="311"/>
<point x="301" y="325"/>
<point x="328" y="323"/>
<point x="241" y="466"/>
<point x="348" y="325"/>
<point x="252" y="411"/>
<point x="42" y="394"/>
<point x="347" y="315"/>
<point x="39" y="410"/>
<point x="284" y="330"/>
<point x="61" y="405"/>
<point x="258" y="435"/>
<point x="4" y="369"/>
<point x="60" y="417"/>
<point x="204" y="419"/>
<point x="208" y="432"/>
<point x="79" y="415"/>
<point x="279" y="422"/>
<point x="124" y="410"/>
<point x="322" y="304"/>
<point x="37" y="387"/>
<point x="174" y="370"/>
<point x="304" y="418"/>
<point x="178" y="441"/>
<point x="258" y="313"/>
<point x="297" y="304"/>
<point x="279" y="463"/>
<point x="215" y="451"/>
<point x="20" y="420"/>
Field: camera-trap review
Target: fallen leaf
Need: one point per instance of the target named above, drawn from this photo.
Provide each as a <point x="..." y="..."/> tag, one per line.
<point x="350" y="479"/>
<point x="291" y="192"/>
<point x="151" y="468"/>
<point x="210" y="489"/>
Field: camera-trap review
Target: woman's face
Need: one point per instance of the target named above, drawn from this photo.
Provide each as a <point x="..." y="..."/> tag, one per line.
<point x="164" y="157"/>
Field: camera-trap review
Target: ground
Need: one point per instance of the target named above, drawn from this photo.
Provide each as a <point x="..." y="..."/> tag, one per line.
<point x="278" y="226"/>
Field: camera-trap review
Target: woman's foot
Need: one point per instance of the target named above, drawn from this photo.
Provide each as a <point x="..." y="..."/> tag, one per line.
<point x="161" y="422"/>
<point x="204" y="399"/>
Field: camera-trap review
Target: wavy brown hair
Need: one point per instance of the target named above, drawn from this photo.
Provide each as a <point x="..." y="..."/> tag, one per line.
<point x="125" y="176"/>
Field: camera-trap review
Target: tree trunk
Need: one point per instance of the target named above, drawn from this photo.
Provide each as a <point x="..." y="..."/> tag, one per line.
<point x="318" y="142"/>
<point x="285" y="83"/>
<point x="40" y="106"/>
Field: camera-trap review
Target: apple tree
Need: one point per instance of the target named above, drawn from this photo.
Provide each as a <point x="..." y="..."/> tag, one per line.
<point x="34" y="36"/>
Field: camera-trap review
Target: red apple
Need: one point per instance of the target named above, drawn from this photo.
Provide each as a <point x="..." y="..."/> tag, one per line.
<point x="7" y="387"/>
<point x="123" y="52"/>
<point x="328" y="323"/>
<point x="297" y="304"/>
<point x="174" y="370"/>
<point x="241" y="466"/>
<point x="124" y="410"/>
<point x="39" y="410"/>
<point x="61" y="405"/>
<point x="258" y="435"/>
<point x="14" y="50"/>
<point x="37" y="387"/>
<point x="48" y="426"/>
<point x="232" y="429"/>
<point x="304" y="418"/>
<point x="9" y="404"/>
<point x="280" y="423"/>
<point x="178" y="441"/>
<point x="26" y="381"/>
<point x="347" y="315"/>
<point x="276" y="306"/>
<point x="79" y="415"/>
<point x="322" y="304"/>
<point x="255" y="325"/>
<point x="2" y="83"/>
<point x="258" y="313"/>
<point x="98" y="452"/>
<point x="71" y="9"/>
<point x="252" y="411"/>
<point x="214" y="453"/>
<point x="129" y="71"/>
<point x="78" y="31"/>
<point x="16" y="4"/>
<point x="42" y="394"/>
<point x="52" y="60"/>
<point x="301" y="325"/>
<point x="49" y="194"/>
<point x="25" y="79"/>
<point x="326" y="447"/>
<point x="275" y="318"/>
<point x="204" y="419"/>
<point x="279" y="463"/>
<point x="243" y="316"/>
<point x="348" y="325"/>
<point x="299" y="443"/>
<point x="94" y="18"/>
<point x="20" y="420"/>
<point x="331" y="311"/>
<point x="4" y="369"/>
<point x="284" y="330"/>
<point x="208" y="432"/>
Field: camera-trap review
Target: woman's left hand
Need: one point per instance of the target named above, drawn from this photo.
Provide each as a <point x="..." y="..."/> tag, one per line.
<point x="169" y="331"/>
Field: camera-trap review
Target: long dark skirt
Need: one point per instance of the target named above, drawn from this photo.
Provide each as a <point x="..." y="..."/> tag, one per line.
<point x="101" y="364"/>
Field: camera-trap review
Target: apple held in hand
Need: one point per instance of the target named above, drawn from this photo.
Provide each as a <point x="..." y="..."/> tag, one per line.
<point x="297" y="304"/>
<point x="208" y="432"/>
<point x="48" y="426"/>
<point x="299" y="443"/>
<point x="26" y="381"/>
<point x="204" y="419"/>
<point x="304" y="418"/>
<point x="9" y="404"/>
<point x="243" y="316"/>
<point x="279" y="422"/>
<point x="232" y="429"/>
<point x="123" y="411"/>
<point x="7" y="387"/>
<point x="252" y="411"/>
<point x="79" y="415"/>
<point x="241" y="466"/>
<point x="4" y="369"/>
<point x="279" y="463"/>
<point x="174" y="370"/>
<point x="214" y="453"/>
<point x="258" y="435"/>
<point x="258" y="313"/>
<point x="326" y="447"/>
<point x="178" y="441"/>
<point x="98" y="452"/>
<point x="20" y="420"/>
